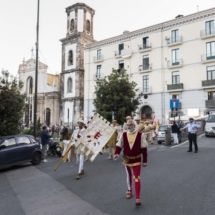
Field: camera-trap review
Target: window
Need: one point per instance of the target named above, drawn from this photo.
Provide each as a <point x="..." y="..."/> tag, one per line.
<point x="145" y="62"/>
<point x="99" y="54"/>
<point x="99" y="71"/>
<point x="145" y="42"/>
<point x="88" y="26"/>
<point x="121" y="64"/>
<point x="175" y="96"/>
<point x="69" y="85"/>
<point x="72" y="25"/>
<point x="23" y="141"/>
<point x="175" y="57"/>
<point x="211" y="95"/>
<point x="210" y="50"/>
<point x="175" y="77"/>
<point x="175" y="36"/>
<point x="209" y="27"/>
<point x="30" y="85"/>
<point x="145" y="83"/>
<point x="9" y="142"/>
<point x="70" y="58"/>
<point x="121" y="47"/>
<point x="211" y="73"/>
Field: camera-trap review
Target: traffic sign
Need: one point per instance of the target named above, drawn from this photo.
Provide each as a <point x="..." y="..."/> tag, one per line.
<point x="174" y="103"/>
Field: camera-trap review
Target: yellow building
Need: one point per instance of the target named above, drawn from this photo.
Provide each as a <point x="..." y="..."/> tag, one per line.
<point x="170" y="60"/>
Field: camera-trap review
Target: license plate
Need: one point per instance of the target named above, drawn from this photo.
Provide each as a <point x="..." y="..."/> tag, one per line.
<point x="58" y="149"/>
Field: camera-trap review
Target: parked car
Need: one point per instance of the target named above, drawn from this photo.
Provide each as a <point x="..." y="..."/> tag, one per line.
<point x="17" y="149"/>
<point x="161" y="134"/>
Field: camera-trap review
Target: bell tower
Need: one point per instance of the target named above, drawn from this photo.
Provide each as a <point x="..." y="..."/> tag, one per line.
<point x="79" y="33"/>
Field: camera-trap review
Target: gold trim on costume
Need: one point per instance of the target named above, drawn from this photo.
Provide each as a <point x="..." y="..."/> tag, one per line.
<point x="132" y="164"/>
<point x="138" y="156"/>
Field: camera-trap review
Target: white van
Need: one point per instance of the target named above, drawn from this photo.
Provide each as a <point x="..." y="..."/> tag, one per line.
<point x="210" y="126"/>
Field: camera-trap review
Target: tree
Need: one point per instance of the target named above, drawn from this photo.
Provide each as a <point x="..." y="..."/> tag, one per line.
<point x="116" y="93"/>
<point x="11" y="105"/>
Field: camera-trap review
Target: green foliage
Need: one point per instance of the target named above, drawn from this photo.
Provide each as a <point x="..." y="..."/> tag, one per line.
<point x="116" y="93"/>
<point x="30" y="131"/>
<point x="11" y="105"/>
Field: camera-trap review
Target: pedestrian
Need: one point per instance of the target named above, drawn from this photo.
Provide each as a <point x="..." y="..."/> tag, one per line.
<point x="175" y="132"/>
<point x="193" y="128"/>
<point x="134" y="145"/>
<point x="79" y="154"/>
<point x="179" y="123"/>
<point x="113" y="140"/>
<point x="65" y="136"/>
<point x="44" y="141"/>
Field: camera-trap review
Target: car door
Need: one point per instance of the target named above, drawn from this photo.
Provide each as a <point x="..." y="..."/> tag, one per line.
<point x="8" y="151"/>
<point x="26" y="148"/>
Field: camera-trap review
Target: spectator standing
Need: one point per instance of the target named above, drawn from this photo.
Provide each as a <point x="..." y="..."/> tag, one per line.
<point x="193" y="128"/>
<point x="175" y="132"/>
<point x="65" y="135"/>
<point x="179" y="123"/>
<point x="44" y="141"/>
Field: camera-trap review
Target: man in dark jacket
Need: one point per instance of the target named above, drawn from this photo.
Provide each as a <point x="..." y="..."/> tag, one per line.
<point x="175" y="132"/>
<point x="44" y="141"/>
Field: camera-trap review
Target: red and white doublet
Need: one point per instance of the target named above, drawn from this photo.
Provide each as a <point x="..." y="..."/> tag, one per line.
<point x="134" y="146"/>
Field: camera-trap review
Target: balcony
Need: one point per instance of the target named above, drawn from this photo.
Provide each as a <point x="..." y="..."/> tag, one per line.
<point x="175" y="87"/>
<point x="147" y="90"/>
<point x="175" y="63"/>
<point x="145" y="47"/>
<point x="97" y="77"/>
<point x="117" y="54"/>
<point x="208" y="84"/>
<point x="207" y="58"/>
<point x="97" y="59"/>
<point x="173" y="41"/>
<point x="145" y="68"/>
<point x="207" y="33"/>
<point x="210" y="103"/>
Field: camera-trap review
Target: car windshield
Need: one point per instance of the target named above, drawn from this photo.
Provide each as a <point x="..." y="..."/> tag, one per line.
<point x="1" y="139"/>
<point x="163" y="128"/>
<point x="211" y="118"/>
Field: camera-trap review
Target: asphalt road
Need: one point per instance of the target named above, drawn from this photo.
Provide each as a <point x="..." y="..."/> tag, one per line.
<point x="174" y="183"/>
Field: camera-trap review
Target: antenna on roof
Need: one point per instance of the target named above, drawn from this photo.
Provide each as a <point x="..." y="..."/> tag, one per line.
<point x="198" y="8"/>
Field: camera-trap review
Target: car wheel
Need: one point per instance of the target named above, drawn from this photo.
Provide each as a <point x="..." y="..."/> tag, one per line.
<point x="159" y="142"/>
<point x="59" y="154"/>
<point x="36" y="158"/>
<point x="206" y="135"/>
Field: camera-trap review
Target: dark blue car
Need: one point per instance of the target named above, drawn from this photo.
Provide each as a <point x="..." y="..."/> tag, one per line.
<point x="17" y="149"/>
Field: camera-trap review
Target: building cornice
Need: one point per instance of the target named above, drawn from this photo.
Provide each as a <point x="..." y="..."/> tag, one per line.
<point x="154" y="28"/>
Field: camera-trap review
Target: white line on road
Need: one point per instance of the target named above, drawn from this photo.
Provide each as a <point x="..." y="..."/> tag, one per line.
<point x="185" y="142"/>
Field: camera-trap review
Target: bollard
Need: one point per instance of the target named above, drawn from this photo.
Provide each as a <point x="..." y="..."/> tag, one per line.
<point x="167" y="137"/>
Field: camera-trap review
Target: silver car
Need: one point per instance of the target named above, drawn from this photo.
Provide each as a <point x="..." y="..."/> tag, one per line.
<point x="161" y="134"/>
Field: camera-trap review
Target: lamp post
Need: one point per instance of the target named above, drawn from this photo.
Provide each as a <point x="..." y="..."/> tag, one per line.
<point x="36" y="71"/>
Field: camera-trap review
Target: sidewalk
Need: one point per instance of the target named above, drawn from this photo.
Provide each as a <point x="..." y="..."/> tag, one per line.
<point x="38" y="194"/>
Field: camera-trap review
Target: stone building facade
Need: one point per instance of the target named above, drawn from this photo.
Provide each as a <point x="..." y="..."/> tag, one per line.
<point x="48" y="93"/>
<point x="79" y="33"/>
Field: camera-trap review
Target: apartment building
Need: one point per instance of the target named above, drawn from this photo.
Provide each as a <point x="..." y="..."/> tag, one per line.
<point x="170" y="60"/>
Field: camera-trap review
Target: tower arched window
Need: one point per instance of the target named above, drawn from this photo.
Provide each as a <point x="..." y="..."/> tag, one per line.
<point x="72" y="25"/>
<point x="70" y="58"/>
<point x="88" y="26"/>
<point x="69" y="85"/>
<point x="30" y="85"/>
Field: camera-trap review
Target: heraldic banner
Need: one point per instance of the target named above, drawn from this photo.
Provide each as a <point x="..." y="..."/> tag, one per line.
<point x="98" y="132"/>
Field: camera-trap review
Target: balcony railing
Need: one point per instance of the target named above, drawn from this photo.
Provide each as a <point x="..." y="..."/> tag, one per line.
<point x="117" y="54"/>
<point x="208" y="83"/>
<point x="147" y="90"/>
<point x="98" y="58"/>
<point x="144" y="47"/>
<point x="174" y="40"/>
<point x="175" y="87"/>
<point x="98" y="76"/>
<point x="210" y="103"/>
<point x="208" y="32"/>
<point x="208" y="57"/>
<point x="145" y="68"/>
<point x="175" y="63"/>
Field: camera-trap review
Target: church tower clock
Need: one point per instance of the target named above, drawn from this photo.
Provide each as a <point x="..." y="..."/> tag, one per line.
<point x="79" y="33"/>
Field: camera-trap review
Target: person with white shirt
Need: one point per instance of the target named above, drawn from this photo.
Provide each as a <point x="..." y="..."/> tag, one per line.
<point x="193" y="128"/>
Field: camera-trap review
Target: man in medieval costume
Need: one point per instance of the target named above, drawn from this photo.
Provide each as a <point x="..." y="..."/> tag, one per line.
<point x="134" y="146"/>
<point x="152" y="131"/>
<point x="113" y="140"/>
<point x="125" y="124"/>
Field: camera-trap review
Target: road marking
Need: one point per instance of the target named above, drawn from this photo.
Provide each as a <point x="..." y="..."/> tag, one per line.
<point x="185" y="142"/>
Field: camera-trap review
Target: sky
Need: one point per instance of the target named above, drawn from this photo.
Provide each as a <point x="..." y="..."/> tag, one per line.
<point x="18" y="24"/>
